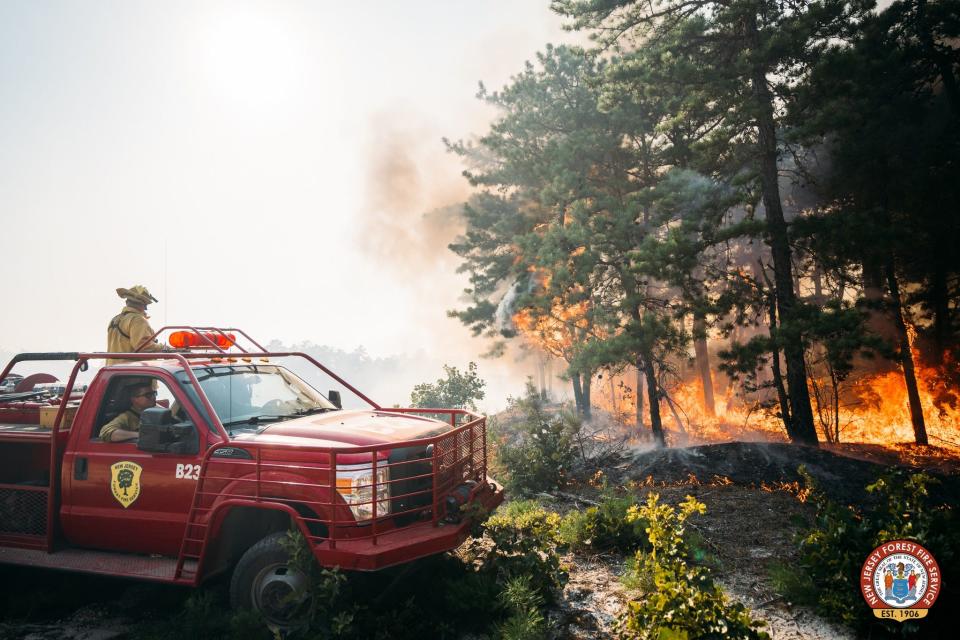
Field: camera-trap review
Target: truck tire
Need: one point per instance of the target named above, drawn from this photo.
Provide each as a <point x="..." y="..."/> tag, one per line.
<point x="264" y="582"/>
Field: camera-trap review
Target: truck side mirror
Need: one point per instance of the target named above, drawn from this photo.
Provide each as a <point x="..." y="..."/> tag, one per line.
<point x="160" y="434"/>
<point x="334" y="398"/>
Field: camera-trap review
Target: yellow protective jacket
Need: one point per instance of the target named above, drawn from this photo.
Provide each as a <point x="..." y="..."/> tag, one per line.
<point x="130" y="330"/>
<point x="128" y="421"/>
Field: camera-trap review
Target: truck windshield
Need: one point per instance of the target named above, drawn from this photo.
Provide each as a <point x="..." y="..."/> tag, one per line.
<point x="256" y="394"/>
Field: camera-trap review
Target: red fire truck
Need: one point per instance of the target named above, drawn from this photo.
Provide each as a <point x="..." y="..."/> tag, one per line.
<point x="237" y="451"/>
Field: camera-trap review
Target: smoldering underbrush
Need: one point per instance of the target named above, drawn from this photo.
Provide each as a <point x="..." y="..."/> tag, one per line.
<point x="540" y="447"/>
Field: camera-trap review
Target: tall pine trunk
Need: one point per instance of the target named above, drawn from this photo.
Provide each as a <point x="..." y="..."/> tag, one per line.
<point x="639" y="387"/>
<point x="879" y="321"/>
<point x="801" y="412"/>
<point x="777" y="374"/>
<point x="541" y="371"/>
<point x="653" y="398"/>
<point x="577" y="391"/>
<point x="614" y="405"/>
<point x="941" y="60"/>
<point x="703" y="362"/>
<point x="585" y="386"/>
<point x="906" y="355"/>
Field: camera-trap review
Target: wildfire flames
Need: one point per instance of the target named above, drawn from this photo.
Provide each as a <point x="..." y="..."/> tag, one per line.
<point x="871" y="409"/>
<point x="557" y="331"/>
<point x="874" y="409"/>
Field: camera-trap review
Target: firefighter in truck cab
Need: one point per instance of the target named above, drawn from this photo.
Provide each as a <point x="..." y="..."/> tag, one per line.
<point x="129" y="330"/>
<point x="126" y="426"/>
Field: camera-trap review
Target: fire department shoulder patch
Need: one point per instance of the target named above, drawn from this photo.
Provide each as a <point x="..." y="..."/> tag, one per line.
<point x="900" y="580"/>
<point x="125" y="482"/>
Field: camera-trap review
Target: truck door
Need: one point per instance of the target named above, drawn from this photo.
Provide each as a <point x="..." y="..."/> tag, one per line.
<point x="119" y="498"/>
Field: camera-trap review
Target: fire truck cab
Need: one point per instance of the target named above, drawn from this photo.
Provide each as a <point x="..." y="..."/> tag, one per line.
<point x="237" y="451"/>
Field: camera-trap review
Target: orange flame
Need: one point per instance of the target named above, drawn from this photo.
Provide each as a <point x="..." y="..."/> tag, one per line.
<point x="556" y="332"/>
<point x="874" y="409"/>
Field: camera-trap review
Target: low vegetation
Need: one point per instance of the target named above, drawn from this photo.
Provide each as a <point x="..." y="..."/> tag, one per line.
<point x="835" y="544"/>
<point x="537" y="449"/>
<point x="498" y="586"/>
<point x="204" y="615"/>
<point x="676" y="599"/>
<point x="604" y="526"/>
<point x="521" y="541"/>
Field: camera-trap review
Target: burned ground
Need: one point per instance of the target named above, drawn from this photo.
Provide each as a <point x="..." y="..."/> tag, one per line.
<point x="842" y="472"/>
<point x="41" y="604"/>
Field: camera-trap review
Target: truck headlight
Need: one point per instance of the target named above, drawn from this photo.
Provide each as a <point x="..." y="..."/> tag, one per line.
<point x="355" y="486"/>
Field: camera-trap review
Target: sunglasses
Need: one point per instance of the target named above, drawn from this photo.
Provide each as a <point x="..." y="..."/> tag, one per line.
<point x="146" y="394"/>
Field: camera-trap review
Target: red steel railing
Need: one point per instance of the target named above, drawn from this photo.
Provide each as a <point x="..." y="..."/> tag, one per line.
<point x="304" y="479"/>
<point x="415" y="486"/>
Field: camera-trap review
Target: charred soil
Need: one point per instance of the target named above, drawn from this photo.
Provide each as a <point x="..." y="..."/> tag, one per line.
<point x="841" y="471"/>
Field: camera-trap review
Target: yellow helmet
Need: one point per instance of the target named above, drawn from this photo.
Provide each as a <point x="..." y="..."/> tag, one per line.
<point x="137" y="293"/>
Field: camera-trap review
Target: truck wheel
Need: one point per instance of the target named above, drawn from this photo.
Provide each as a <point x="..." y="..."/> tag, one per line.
<point x="263" y="581"/>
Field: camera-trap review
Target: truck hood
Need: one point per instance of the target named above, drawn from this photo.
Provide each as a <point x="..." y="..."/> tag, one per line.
<point x="349" y="428"/>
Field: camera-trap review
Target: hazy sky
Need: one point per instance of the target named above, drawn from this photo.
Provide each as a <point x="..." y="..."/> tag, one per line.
<point x="260" y="164"/>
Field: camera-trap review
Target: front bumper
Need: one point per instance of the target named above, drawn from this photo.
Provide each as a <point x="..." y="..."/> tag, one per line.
<point x="403" y="545"/>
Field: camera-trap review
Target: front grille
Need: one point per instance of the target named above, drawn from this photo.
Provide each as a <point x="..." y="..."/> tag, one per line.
<point x="413" y="494"/>
<point x="460" y="461"/>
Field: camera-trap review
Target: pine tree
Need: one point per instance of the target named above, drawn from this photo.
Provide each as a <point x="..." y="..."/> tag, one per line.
<point x="885" y="118"/>
<point x="749" y="53"/>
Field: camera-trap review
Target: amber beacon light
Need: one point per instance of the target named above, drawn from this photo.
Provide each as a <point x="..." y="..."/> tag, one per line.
<point x="191" y="340"/>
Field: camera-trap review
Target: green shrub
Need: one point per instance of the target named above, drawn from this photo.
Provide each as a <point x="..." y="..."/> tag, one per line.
<point x="834" y="546"/>
<point x="526" y="621"/>
<point x="604" y="526"/>
<point x="470" y="594"/>
<point x="524" y="539"/>
<point x="499" y="588"/>
<point x="537" y="452"/>
<point x="678" y="600"/>
<point x="456" y="391"/>
<point x="328" y="610"/>
<point x="394" y="604"/>
<point x="517" y="562"/>
<point x="832" y="551"/>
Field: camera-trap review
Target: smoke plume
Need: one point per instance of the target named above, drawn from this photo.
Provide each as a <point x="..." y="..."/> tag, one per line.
<point x="414" y="201"/>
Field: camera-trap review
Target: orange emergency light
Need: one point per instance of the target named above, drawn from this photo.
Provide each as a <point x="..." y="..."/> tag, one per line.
<point x="195" y="340"/>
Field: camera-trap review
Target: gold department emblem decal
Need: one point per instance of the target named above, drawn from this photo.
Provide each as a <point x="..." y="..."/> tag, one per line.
<point x="900" y="580"/>
<point x="125" y="482"/>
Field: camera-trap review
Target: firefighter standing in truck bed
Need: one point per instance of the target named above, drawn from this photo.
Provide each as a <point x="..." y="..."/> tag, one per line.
<point x="129" y="331"/>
